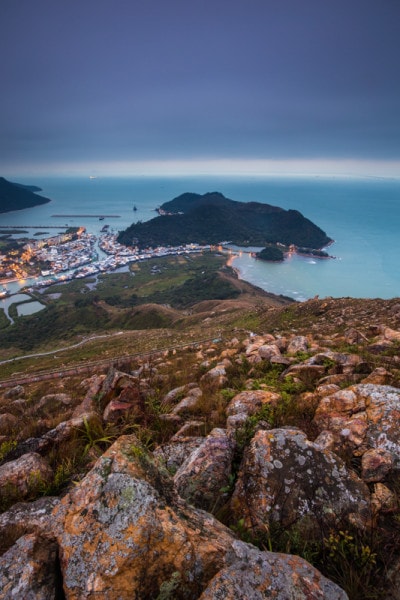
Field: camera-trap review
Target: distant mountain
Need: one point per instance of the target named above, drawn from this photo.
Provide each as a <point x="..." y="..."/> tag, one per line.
<point x="212" y="218"/>
<point x="15" y="196"/>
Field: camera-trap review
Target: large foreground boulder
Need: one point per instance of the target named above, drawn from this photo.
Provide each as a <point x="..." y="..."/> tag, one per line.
<point x="124" y="533"/>
<point x="286" y="478"/>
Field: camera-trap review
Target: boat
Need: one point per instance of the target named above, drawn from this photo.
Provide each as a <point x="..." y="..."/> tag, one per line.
<point x="101" y="218"/>
<point x="4" y="293"/>
<point x="134" y="207"/>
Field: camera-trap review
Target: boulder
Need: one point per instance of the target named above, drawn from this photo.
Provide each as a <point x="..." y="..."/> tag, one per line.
<point x="297" y="344"/>
<point x="254" y="575"/>
<point x="189" y="402"/>
<point x="268" y="351"/>
<point x="216" y="376"/>
<point x="15" y="392"/>
<point x="363" y="417"/>
<point x="52" y="404"/>
<point x="173" y="455"/>
<point x="284" y="477"/>
<point x="376" y="463"/>
<point x="250" y="402"/>
<point x="23" y="476"/>
<point x="26" y="518"/>
<point x="207" y="471"/>
<point x="122" y="529"/>
<point x="28" y="570"/>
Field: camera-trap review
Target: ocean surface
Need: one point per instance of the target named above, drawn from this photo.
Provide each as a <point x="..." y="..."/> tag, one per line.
<point x="361" y="215"/>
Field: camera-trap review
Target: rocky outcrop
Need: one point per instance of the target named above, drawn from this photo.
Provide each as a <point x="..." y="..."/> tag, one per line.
<point x="286" y="436"/>
<point x="362" y="418"/>
<point x="286" y="478"/>
<point x="124" y="533"/>
<point x="254" y="575"/>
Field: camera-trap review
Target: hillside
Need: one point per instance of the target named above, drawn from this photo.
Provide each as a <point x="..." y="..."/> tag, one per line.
<point x="212" y="218"/>
<point x="15" y="196"/>
<point x="255" y="451"/>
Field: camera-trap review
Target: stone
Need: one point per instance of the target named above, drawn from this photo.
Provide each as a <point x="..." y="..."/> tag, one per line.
<point x="297" y="344"/>
<point x="190" y="402"/>
<point x="15" y="392"/>
<point x="304" y="372"/>
<point x="382" y="499"/>
<point x="123" y="527"/>
<point x="379" y="376"/>
<point x="216" y="376"/>
<point x="62" y="432"/>
<point x="23" y="476"/>
<point x="254" y="575"/>
<point x="207" y="471"/>
<point x="28" y="570"/>
<point x="376" y="463"/>
<point x="189" y="429"/>
<point x="25" y="518"/>
<point x="52" y="404"/>
<point x="173" y="455"/>
<point x="174" y="395"/>
<point x="115" y="410"/>
<point x="268" y="351"/>
<point x="364" y="417"/>
<point x="250" y="402"/>
<point x="8" y="422"/>
<point x="284" y="477"/>
<point x="391" y="334"/>
<point x="90" y="402"/>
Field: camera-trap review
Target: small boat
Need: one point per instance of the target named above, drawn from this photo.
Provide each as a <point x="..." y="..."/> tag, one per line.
<point x="135" y="207"/>
<point x="101" y="218"/>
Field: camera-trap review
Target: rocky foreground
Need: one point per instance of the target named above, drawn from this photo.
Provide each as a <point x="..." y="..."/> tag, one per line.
<point x="261" y="465"/>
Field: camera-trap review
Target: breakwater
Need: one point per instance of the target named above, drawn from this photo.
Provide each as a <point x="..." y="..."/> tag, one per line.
<point x="88" y="216"/>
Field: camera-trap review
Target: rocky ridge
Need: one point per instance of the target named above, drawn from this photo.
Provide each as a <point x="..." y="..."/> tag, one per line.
<point x="263" y="464"/>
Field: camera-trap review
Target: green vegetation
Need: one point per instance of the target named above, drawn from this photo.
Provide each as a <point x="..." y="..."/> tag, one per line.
<point x="271" y="253"/>
<point x="212" y="218"/>
<point x="121" y="301"/>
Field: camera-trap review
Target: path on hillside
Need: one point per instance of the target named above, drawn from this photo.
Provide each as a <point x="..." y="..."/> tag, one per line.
<point x="89" y="366"/>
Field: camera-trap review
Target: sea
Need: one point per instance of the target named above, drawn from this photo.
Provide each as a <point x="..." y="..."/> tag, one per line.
<point x="361" y="215"/>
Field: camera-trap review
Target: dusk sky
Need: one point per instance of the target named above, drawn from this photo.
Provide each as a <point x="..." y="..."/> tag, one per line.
<point x="171" y="86"/>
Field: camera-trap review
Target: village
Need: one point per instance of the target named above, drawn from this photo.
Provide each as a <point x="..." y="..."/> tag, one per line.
<point x="75" y="255"/>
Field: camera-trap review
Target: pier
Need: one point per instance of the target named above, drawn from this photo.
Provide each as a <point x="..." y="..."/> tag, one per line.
<point x="44" y="227"/>
<point x="87" y="216"/>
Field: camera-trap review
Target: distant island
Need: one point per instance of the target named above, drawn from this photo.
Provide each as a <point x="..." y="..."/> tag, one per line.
<point x="15" y="196"/>
<point x="211" y="218"/>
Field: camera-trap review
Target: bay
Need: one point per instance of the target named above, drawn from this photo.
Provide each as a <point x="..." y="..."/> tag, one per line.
<point x="361" y="215"/>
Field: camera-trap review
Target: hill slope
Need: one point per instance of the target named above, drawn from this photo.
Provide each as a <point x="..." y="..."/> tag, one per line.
<point x="212" y="218"/>
<point x="14" y="196"/>
<point x="211" y="468"/>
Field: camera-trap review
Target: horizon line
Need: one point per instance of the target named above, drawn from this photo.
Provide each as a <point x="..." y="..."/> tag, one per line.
<point x="347" y="168"/>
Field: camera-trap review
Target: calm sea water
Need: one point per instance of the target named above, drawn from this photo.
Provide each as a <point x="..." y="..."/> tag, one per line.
<point x="362" y="216"/>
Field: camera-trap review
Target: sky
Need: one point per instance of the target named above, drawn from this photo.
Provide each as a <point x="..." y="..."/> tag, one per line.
<point x="218" y="86"/>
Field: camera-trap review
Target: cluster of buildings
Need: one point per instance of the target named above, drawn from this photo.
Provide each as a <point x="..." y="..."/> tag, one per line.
<point x="79" y="258"/>
<point x="76" y="254"/>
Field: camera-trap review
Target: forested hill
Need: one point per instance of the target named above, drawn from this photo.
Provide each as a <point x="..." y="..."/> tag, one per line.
<point x="212" y="218"/>
<point x="15" y="196"/>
